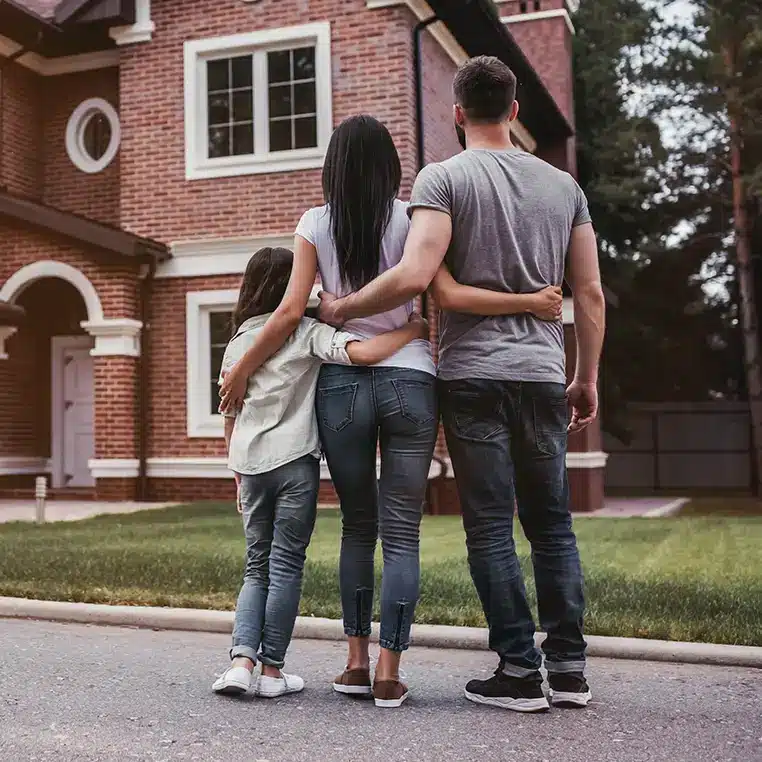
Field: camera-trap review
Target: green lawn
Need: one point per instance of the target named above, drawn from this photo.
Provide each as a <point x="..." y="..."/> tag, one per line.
<point x="682" y="579"/>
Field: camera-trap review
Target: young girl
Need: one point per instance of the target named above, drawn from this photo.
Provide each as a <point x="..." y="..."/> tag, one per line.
<point x="274" y="452"/>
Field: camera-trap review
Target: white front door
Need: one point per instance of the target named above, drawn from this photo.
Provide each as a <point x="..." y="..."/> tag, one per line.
<point x="73" y="411"/>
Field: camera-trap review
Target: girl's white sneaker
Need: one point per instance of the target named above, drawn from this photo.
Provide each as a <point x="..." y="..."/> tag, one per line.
<point x="235" y="681"/>
<point x="272" y="687"/>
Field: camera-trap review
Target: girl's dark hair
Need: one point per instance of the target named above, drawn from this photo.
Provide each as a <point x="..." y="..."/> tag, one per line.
<point x="264" y="284"/>
<point x="361" y="180"/>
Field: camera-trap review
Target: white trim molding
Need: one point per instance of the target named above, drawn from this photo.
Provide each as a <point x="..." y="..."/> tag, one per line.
<point x="118" y="337"/>
<point x="50" y="268"/>
<point x="141" y="31"/>
<point x="52" y="67"/>
<point x="217" y="467"/>
<point x="114" y="468"/>
<point x="198" y="306"/>
<point x="216" y="256"/>
<point x="75" y="135"/>
<point x="22" y="466"/>
<point x="540" y="15"/>
<point x="586" y="460"/>
<point x="198" y="165"/>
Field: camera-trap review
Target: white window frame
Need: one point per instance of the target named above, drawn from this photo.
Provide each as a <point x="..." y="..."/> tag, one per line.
<point x="198" y="306"/>
<point x="198" y="165"/>
<point x="75" y="135"/>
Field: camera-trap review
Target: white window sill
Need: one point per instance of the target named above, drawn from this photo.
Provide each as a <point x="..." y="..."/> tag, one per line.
<point x="210" y="427"/>
<point x="236" y="166"/>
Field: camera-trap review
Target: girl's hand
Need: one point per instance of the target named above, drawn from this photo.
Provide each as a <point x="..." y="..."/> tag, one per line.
<point x="237" y="478"/>
<point x="232" y="390"/>
<point x="421" y="324"/>
<point x="547" y="304"/>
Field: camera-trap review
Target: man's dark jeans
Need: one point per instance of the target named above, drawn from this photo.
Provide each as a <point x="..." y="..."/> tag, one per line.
<point x="507" y="441"/>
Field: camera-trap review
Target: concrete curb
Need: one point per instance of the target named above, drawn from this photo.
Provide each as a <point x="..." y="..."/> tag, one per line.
<point x="432" y="636"/>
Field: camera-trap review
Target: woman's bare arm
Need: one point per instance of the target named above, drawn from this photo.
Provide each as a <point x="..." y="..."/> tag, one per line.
<point x="281" y="324"/>
<point x="455" y="297"/>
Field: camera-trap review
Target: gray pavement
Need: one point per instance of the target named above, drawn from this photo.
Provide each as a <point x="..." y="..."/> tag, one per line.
<point x="75" y="693"/>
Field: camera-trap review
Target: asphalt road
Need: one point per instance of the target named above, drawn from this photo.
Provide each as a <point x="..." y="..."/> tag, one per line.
<point x="74" y="693"/>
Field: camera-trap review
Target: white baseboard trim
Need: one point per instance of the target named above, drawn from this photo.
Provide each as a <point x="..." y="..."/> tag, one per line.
<point x="217" y="468"/>
<point x="23" y="465"/>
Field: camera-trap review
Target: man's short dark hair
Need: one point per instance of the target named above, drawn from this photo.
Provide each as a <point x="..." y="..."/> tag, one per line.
<point x="485" y="88"/>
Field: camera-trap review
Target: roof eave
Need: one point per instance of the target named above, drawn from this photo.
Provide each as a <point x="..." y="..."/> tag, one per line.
<point x="477" y="27"/>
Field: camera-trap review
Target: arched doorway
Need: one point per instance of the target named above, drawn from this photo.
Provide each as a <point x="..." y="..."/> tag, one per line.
<point x="49" y="374"/>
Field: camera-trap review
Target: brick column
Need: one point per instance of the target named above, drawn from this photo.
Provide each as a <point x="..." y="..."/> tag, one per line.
<point x="116" y="368"/>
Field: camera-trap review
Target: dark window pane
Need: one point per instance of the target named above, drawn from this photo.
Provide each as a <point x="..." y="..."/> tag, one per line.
<point x="219" y="108"/>
<point x="243" y="71"/>
<point x="280" y="101"/>
<point x="217" y="74"/>
<point x="219" y="327"/>
<point x="305" y="130"/>
<point x="97" y="136"/>
<point x="219" y="142"/>
<point x="304" y="99"/>
<point x="216" y="361"/>
<point x="304" y="63"/>
<point x="279" y="66"/>
<point x="243" y="139"/>
<point x="280" y="135"/>
<point x="243" y="109"/>
<point x="214" y="406"/>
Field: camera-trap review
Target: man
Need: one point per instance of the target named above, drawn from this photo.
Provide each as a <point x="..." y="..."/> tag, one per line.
<point x="507" y="221"/>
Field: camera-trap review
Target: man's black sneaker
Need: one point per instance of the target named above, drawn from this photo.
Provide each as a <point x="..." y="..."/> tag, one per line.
<point x="569" y="689"/>
<point x="516" y="694"/>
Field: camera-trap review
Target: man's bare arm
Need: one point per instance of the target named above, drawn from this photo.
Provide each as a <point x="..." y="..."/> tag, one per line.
<point x="425" y="248"/>
<point x="589" y="303"/>
<point x="589" y="325"/>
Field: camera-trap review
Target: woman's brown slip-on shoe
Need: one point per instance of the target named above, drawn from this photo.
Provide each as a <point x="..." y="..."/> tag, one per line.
<point x="389" y="693"/>
<point x="353" y="682"/>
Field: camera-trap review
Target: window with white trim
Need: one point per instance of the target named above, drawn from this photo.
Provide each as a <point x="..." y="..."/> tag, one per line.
<point x="208" y="330"/>
<point x="258" y="102"/>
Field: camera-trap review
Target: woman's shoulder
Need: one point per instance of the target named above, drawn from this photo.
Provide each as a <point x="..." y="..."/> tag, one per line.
<point x="312" y="221"/>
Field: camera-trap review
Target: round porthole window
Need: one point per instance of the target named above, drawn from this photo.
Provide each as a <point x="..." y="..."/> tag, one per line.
<point x="92" y="135"/>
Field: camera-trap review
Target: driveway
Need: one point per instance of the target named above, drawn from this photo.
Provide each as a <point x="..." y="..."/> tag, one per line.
<point x="76" y="693"/>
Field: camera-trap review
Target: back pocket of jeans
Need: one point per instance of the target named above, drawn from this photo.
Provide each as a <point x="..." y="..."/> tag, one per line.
<point x="336" y="406"/>
<point x="474" y="417"/>
<point x="551" y="418"/>
<point x="417" y="399"/>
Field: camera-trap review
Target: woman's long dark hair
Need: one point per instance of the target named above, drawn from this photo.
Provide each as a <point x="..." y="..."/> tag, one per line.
<point x="361" y="180"/>
<point x="264" y="284"/>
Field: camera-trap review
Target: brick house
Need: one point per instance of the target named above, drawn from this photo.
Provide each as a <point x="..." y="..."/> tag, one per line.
<point x="148" y="147"/>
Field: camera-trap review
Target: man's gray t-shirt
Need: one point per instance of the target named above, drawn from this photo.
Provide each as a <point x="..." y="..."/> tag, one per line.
<point x="512" y="217"/>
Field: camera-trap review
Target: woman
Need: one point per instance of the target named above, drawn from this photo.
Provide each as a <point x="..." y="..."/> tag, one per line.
<point x="359" y="233"/>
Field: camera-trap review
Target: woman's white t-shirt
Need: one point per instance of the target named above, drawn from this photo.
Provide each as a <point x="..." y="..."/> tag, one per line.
<point x="315" y="227"/>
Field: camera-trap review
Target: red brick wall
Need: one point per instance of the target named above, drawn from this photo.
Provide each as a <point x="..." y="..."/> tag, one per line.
<point x="372" y="64"/>
<point x="21" y="120"/>
<point x="439" y="70"/>
<point x="66" y="186"/>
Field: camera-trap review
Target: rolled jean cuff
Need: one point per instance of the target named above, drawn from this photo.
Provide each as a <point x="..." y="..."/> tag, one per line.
<point x="564" y="667"/>
<point x="512" y="670"/>
<point x="268" y="662"/>
<point x="355" y="632"/>
<point x="243" y="651"/>
<point x="391" y="645"/>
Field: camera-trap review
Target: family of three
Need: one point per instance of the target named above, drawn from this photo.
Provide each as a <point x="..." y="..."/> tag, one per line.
<point x="492" y="231"/>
